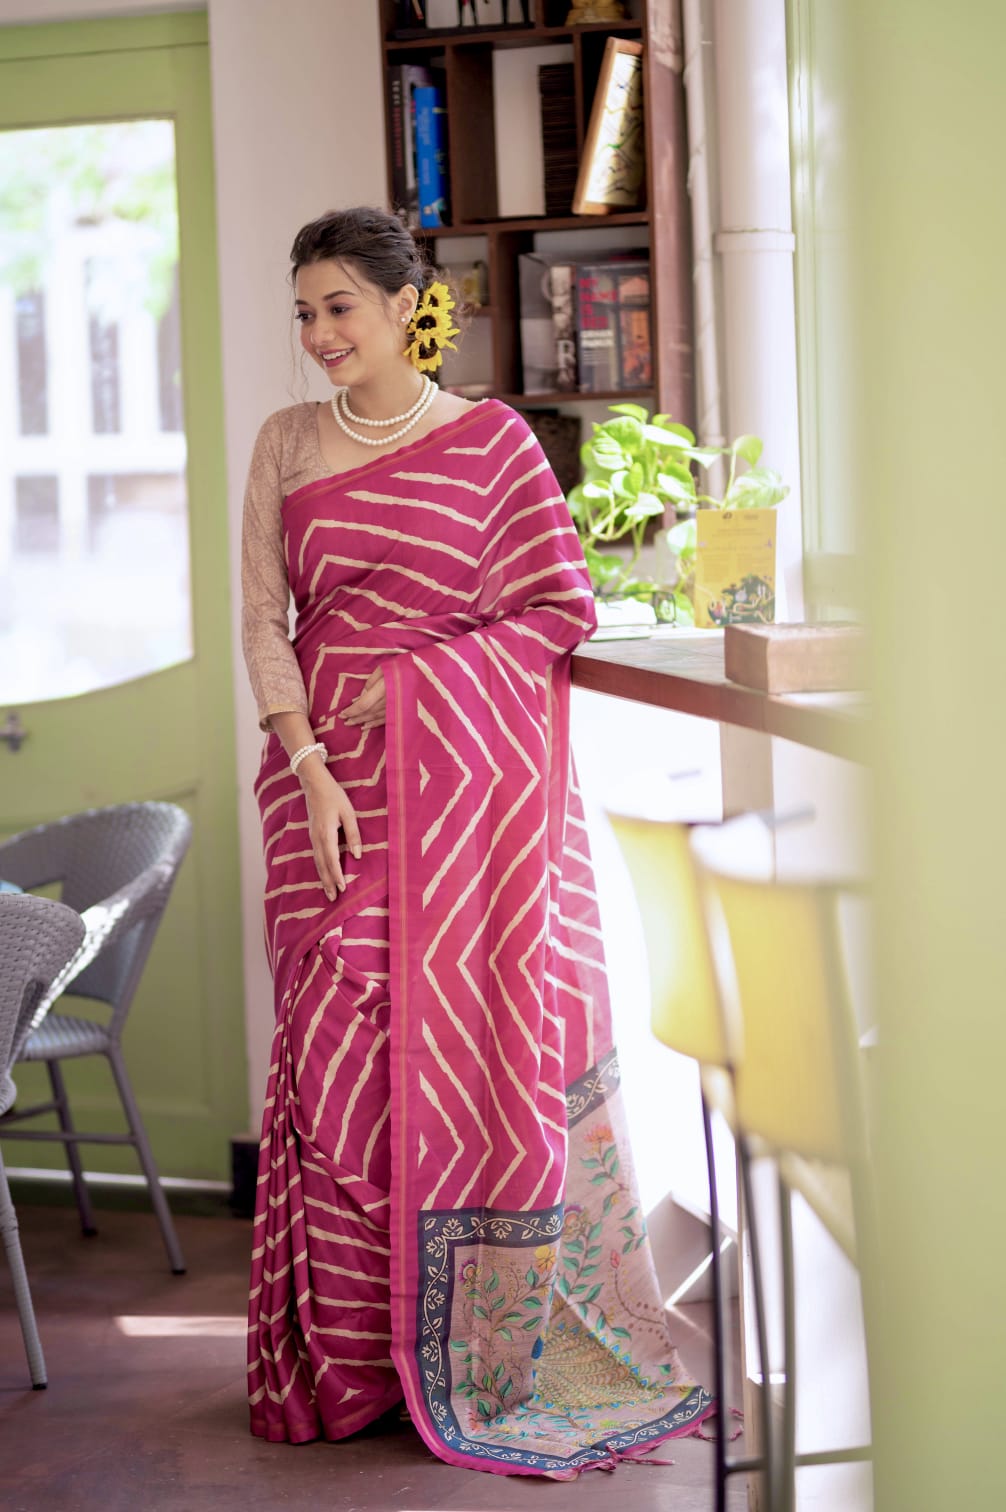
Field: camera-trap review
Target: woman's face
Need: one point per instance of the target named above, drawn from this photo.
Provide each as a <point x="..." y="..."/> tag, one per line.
<point x="351" y="328"/>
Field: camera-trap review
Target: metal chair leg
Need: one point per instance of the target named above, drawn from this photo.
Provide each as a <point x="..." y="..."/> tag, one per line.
<point x="22" y="1293"/>
<point x="719" y="1319"/>
<point x="87" y="1223"/>
<point x="139" y="1133"/>
<point x="768" y="1455"/>
<point x="787" y="1453"/>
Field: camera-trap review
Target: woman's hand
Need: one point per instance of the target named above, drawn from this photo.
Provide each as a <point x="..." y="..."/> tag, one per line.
<point x="368" y="708"/>
<point x="329" y="811"/>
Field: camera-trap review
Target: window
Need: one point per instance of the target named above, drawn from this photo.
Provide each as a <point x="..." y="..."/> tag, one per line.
<point x="94" y="548"/>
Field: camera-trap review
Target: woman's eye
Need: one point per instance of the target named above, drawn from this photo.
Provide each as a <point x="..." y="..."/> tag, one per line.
<point x="301" y="316"/>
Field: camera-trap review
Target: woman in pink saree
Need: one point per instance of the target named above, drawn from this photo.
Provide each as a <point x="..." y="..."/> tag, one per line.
<point x="446" y="1208"/>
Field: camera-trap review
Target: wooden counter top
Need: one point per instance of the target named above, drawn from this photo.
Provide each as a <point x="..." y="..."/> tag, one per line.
<point x="683" y="671"/>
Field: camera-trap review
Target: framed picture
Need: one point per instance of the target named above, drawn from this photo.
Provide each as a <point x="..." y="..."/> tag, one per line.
<point x="614" y="155"/>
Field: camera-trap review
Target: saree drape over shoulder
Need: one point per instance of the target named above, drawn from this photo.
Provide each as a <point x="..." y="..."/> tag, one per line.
<point x="446" y="1204"/>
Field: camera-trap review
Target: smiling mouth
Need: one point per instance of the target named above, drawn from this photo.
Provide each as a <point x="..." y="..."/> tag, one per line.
<point x="331" y="358"/>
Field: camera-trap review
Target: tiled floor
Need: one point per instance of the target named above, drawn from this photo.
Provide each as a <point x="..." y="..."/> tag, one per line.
<point x="145" y="1409"/>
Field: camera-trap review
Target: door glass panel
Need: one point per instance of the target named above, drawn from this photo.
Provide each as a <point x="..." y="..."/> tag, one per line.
<point x="94" y="544"/>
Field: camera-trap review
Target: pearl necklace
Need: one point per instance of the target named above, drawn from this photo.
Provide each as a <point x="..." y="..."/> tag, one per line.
<point x="412" y="417"/>
<point x="424" y="384"/>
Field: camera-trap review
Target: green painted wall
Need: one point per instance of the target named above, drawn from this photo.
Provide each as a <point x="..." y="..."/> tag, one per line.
<point x="169" y="735"/>
<point x="927" y="123"/>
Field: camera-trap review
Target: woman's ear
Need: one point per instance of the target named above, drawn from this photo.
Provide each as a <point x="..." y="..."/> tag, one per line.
<point x="405" y="302"/>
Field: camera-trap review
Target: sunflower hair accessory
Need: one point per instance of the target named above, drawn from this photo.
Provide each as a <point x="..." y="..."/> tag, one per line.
<point x="431" y="328"/>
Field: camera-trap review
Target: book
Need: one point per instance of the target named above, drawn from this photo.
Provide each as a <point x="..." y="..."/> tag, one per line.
<point x="396" y="106"/>
<point x="560" y="158"/>
<point x="796" y="658"/>
<point x="734" y="567"/>
<point x="431" y="156"/>
<point x="562" y="287"/>
<point x="614" y="345"/>
<point x="547" y="322"/>
<point x="403" y="80"/>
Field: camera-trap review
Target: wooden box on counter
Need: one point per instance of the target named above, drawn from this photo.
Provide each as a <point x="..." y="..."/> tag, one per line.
<point x="796" y="658"/>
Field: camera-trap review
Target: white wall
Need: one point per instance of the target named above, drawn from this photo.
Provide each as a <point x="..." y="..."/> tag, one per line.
<point x="298" y="129"/>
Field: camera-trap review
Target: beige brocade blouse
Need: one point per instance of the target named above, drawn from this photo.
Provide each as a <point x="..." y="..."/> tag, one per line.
<point x="287" y="455"/>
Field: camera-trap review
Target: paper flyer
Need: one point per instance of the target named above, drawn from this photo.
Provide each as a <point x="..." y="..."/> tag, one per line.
<point x="734" y="567"/>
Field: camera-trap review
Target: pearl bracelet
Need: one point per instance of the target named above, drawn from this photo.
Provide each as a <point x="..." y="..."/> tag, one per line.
<point x="304" y="752"/>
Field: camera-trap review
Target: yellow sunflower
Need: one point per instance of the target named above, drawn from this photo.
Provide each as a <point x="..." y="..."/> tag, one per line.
<point x="431" y="328"/>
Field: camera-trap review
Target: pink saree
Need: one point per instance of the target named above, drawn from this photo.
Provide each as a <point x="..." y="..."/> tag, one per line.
<point x="446" y="1207"/>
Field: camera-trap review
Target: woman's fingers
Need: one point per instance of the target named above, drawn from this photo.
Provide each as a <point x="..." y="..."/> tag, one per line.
<point x="326" y="859"/>
<point x="351" y="830"/>
<point x="368" y="707"/>
<point x="327" y="818"/>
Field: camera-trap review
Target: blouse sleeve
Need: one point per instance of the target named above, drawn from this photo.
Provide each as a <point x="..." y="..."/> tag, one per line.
<point x="272" y="663"/>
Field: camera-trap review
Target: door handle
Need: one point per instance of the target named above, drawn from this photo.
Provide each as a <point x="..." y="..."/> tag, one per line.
<point x="13" y="731"/>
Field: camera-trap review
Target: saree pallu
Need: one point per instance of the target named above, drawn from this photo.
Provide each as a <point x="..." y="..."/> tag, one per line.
<point x="447" y="1209"/>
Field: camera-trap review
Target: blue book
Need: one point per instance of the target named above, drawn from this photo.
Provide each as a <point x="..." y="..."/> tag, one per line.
<point x="431" y="156"/>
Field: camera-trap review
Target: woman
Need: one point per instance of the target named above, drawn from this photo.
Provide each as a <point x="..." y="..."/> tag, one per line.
<point x="446" y="1212"/>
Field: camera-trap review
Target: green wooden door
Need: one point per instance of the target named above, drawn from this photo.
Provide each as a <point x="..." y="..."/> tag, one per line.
<point x="114" y="617"/>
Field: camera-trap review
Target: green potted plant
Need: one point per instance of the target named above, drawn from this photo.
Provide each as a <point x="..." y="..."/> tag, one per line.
<point x="637" y="467"/>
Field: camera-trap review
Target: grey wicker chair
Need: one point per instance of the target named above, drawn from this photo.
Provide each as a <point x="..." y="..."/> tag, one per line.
<point x="116" y="866"/>
<point x="37" y="939"/>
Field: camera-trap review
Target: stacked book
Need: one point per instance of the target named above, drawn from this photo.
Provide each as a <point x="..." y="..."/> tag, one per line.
<point x="418" y="144"/>
<point x="558" y="133"/>
<point x="585" y="326"/>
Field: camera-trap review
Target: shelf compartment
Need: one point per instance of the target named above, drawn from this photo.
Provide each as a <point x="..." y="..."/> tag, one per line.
<point x="511" y="36"/>
<point x="470" y="110"/>
<point x="576" y="396"/>
<point x="534" y="223"/>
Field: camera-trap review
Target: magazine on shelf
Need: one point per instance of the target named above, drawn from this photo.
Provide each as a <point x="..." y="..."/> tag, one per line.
<point x="614" y="343"/>
<point x="547" y="323"/>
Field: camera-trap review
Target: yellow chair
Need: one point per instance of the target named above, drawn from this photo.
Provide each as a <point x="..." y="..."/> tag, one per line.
<point x="685" y="1014"/>
<point x="797" y="1089"/>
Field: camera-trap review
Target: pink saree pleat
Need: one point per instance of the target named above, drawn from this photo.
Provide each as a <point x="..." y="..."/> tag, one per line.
<point x="510" y="1294"/>
<point x="320" y="1331"/>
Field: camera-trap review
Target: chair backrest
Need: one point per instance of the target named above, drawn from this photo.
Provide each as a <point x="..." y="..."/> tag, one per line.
<point x="37" y="939"/>
<point x="126" y="857"/>
<point x="782" y="979"/>
<point x="684" y="1001"/>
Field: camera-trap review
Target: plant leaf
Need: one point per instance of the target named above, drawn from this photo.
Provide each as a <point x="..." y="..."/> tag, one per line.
<point x="644" y="507"/>
<point x="759" y="488"/>
<point x="660" y="435"/>
<point x="748" y="447"/>
<point x="623" y="432"/>
<point x="675" y="489"/>
<point x="635" y="411"/>
<point x="681" y="538"/>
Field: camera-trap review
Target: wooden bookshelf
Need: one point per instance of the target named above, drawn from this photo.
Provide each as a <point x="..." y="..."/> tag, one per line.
<point x="466" y="58"/>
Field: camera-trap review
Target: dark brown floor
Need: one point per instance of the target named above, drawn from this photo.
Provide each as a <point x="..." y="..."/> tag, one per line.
<point x="139" y="1421"/>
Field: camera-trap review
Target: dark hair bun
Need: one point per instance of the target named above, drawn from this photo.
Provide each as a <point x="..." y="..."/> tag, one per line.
<point x="377" y="244"/>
